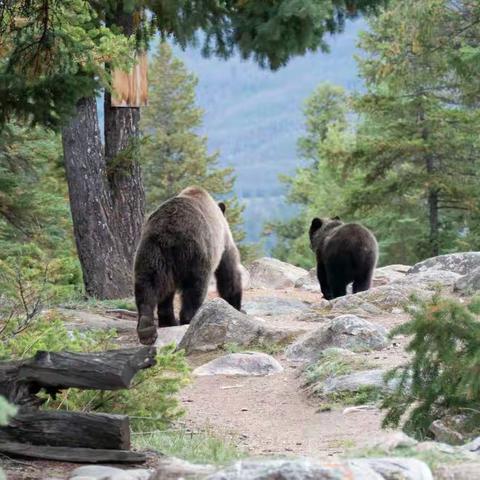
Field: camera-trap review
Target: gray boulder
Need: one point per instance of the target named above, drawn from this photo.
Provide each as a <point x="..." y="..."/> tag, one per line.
<point x="294" y="469"/>
<point x="385" y="298"/>
<point x="101" y="472"/>
<point x="396" y="468"/>
<point x="217" y="324"/>
<point x="389" y="273"/>
<point x="274" y="274"/>
<point x="429" y="279"/>
<point x="458" y="471"/>
<point x="270" y="306"/>
<point x="469" y="283"/>
<point x="354" y="382"/>
<point x="345" y="331"/>
<point x="461" y="263"/>
<point x="244" y="364"/>
<point x="171" y="468"/>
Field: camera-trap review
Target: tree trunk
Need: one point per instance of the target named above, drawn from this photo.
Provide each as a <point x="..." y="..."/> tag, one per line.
<point x="106" y="188"/>
<point x="433" y="212"/>
<point x="124" y="174"/>
<point x="106" y="269"/>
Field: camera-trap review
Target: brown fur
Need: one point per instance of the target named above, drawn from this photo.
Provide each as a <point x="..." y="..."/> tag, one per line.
<point x="345" y="253"/>
<point x="184" y="242"/>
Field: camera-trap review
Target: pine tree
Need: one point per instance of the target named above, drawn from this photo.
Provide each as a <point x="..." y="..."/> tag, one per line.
<point x="175" y="156"/>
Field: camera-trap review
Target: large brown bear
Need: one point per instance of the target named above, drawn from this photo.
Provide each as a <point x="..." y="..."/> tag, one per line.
<point x="345" y="253"/>
<point x="184" y="242"/>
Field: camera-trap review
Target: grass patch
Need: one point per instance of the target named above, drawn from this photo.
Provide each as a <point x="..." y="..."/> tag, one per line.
<point x="433" y="458"/>
<point x="202" y="447"/>
<point x="362" y="396"/>
<point x="334" y="363"/>
<point x="264" y="347"/>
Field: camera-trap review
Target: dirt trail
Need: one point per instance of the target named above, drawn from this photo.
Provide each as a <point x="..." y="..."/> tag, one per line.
<point x="274" y="415"/>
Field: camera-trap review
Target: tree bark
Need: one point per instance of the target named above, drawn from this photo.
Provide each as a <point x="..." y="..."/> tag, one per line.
<point x="67" y="454"/>
<point x="68" y="429"/>
<point x="106" y="270"/>
<point x="124" y="174"/>
<point x="433" y="212"/>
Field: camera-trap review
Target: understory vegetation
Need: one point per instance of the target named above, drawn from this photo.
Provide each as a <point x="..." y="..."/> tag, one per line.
<point x="441" y="380"/>
<point x="151" y="402"/>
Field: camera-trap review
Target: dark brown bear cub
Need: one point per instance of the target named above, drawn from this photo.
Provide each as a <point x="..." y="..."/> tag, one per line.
<point x="345" y="253"/>
<point x="184" y="242"/>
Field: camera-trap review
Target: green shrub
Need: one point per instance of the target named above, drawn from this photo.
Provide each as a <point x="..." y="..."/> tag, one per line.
<point x="443" y="376"/>
<point x="151" y="401"/>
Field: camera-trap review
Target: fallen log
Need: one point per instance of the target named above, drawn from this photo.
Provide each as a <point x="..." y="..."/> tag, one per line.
<point x="66" y="454"/>
<point x="69" y="429"/>
<point x="111" y="370"/>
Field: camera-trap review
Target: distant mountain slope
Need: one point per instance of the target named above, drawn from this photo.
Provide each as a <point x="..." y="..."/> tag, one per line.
<point x="254" y="117"/>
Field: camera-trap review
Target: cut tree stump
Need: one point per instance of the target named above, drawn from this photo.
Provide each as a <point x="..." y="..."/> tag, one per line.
<point x="65" y="454"/>
<point x="69" y="429"/>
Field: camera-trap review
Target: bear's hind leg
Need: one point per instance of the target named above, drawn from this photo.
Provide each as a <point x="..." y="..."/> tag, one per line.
<point x="338" y="284"/>
<point x="166" y="315"/>
<point x="229" y="279"/>
<point x="322" y="280"/>
<point x="363" y="283"/>
<point x="146" y="299"/>
<point x="194" y="291"/>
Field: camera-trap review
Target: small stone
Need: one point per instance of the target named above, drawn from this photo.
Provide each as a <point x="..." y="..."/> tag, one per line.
<point x="243" y="364"/>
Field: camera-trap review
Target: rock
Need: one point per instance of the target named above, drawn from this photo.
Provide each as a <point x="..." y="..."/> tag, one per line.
<point x="429" y="279"/>
<point x="473" y="446"/>
<point x="461" y="471"/>
<point x="385" y="298"/>
<point x="461" y="263"/>
<point x="217" y="324"/>
<point x="273" y="274"/>
<point x="309" y="282"/>
<point x="396" y="468"/>
<point x="294" y="469"/>
<point x="82" y="320"/>
<point x="269" y="306"/>
<point x="100" y="472"/>
<point x="245" y="364"/>
<point x="469" y="283"/>
<point x="394" y="440"/>
<point x="444" y="431"/>
<point x="312" y="316"/>
<point x="354" y="382"/>
<point x="389" y="273"/>
<point x="345" y="331"/>
<point x="168" y="335"/>
<point x="171" y="468"/>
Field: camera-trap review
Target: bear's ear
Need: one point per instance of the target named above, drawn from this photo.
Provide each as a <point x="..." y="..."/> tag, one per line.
<point x="336" y="218"/>
<point x="316" y="224"/>
<point x="222" y="206"/>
